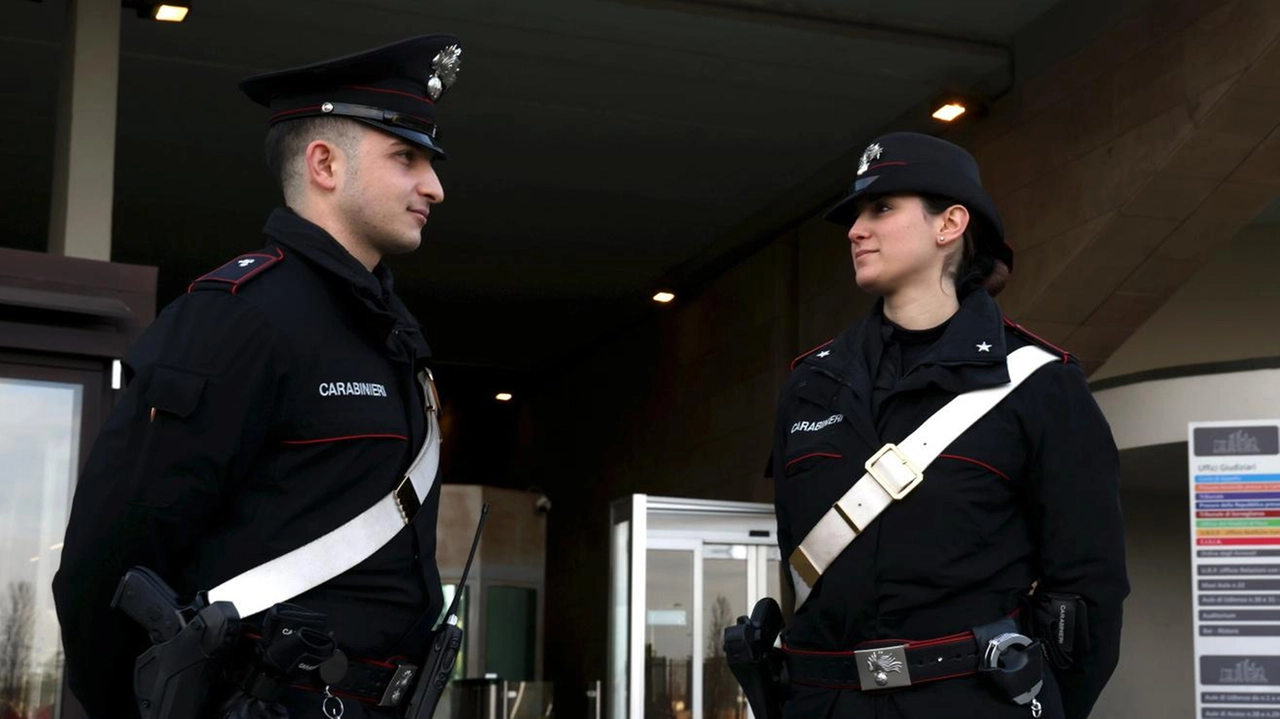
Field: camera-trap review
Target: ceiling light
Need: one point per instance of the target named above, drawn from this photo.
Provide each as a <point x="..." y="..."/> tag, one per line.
<point x="664" y="297"/>
<point x="170" y="13"/>
<point x="503" y="396"/>
<point x="949" y="111"/>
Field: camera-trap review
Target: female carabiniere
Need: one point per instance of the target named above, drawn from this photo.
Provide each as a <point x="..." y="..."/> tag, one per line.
<point x="1013" y="532"/>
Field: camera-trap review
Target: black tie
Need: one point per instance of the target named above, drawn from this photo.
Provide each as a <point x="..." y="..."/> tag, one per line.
<point x="889" y="370"/>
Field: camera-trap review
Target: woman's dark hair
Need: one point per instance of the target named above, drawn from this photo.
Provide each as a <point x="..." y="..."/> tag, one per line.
<point x="977" y="267"/>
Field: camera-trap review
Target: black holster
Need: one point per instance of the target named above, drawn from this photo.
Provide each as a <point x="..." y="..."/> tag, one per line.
<point x="1061" y="622"/>
<point x="754" y="661"/>
<point x="172" y="680"/>
<point x="174" y="676"/>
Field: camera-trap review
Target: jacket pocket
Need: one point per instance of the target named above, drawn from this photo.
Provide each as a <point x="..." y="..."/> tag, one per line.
<point x="817" y="427"/>
<point x="809" y="461"/>
<point x="174" y="392"/>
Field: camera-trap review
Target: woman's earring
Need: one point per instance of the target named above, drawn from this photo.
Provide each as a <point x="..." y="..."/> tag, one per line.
<point x="940" y="238"/>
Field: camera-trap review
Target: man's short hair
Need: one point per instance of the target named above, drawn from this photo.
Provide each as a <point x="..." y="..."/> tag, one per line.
<point x="287" y="141"/>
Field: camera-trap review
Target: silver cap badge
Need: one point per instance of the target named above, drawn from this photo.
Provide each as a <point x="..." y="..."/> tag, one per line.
<point x="444" y="68"/>
<point x="872" y="152"/>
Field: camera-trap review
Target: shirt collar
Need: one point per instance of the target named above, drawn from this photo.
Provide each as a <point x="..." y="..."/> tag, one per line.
<point x="974" y="336"/>
<point x="316" y="244"/>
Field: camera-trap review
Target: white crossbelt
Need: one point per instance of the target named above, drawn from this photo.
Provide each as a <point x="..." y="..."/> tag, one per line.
<point x="322" y="559"/>
<point x="895" y="470"/>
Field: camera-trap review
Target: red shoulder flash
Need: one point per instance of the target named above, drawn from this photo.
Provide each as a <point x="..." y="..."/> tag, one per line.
<point x="797" y="360"/>
<point x="235" y="273"/>
<point x="1037" y="339"/>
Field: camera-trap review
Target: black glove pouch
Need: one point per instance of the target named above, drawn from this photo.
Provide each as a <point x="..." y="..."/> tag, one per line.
<point x="1061" y="623"/>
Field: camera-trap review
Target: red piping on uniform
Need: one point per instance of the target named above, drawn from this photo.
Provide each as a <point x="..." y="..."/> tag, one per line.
<point x="796" y="361"/>
<point x="271" y="260"/>
<point x="341" y="439"/>
<point x="914" y="682"/>
<point x="815" y="652"/>
<point x="885" y="164"/>
<point x="815" y="454"/>
<point x="377" y="663"/>
<point x="390" y="92"/>
<point x="949" y="676"/>
<point x="1066" y="356"/>
<point x="312" y="108"/>
<point x="971" y="460"/>
<point x="960" y="636"/>
<point x="908" y="643"/>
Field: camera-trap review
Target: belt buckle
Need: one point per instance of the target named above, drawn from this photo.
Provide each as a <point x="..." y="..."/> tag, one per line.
<point x="883" y="667"/>
<point x="399" y="685"/>
<point x="887" y="482"/>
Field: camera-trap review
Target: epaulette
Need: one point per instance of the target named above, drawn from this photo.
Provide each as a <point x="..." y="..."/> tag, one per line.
<point x="797" y="360"/>
<point x="235" y="273"/>
<point x="1037" y="339"/>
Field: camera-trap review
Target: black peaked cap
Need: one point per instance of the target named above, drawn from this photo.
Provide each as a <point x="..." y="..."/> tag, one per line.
<point x="394" y="88"/>
<point x="913" y="162"/>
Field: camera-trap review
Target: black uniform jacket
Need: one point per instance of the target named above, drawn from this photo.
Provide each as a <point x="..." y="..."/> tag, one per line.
<point x="269" y="405"/>
<point x="1027" y="493"/>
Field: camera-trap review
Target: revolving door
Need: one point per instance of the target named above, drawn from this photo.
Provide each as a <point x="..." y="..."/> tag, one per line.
<point x="681" y="571"/>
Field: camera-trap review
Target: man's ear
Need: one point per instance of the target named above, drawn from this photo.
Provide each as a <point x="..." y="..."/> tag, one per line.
<point x="323" y="164"/>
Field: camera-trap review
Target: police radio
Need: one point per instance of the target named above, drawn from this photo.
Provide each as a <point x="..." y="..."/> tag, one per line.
<point x="446" y="642"/>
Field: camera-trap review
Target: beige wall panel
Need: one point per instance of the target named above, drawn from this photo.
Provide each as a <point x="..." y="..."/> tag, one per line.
<point x="1227" y="310"/>
<point x="1229" y="40"/>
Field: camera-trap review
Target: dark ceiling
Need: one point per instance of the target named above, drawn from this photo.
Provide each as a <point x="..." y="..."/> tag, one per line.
<point x="599" y="148"/>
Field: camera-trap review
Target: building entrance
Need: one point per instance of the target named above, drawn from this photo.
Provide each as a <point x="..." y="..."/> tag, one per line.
<point x="681" y="571"/>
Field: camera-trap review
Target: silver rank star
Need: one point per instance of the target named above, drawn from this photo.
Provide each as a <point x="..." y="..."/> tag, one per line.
<point x="823" y="353"/>
<point x="984" y="347"/>
<point x="872" y="152"/>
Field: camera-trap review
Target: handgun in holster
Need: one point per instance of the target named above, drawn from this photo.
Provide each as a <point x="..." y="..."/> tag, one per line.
<point x="172" y="678"/>
<point x="754" y="661"/>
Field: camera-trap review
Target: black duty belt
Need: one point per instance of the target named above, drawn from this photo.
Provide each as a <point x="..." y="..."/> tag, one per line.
<point x="384" y="683"/>
<point x="886" y="664"/>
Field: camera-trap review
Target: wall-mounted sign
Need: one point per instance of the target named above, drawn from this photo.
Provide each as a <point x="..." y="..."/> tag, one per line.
<point x="1235" y="567"/>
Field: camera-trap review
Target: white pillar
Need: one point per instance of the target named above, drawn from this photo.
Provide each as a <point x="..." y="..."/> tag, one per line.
<point x="85" y="147"/>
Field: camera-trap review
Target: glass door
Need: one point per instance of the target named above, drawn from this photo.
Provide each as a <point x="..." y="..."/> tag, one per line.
<point x="734" y="578"/>
<point x="671" y="630"/>
<point x="45" y="415"/>
<point x="683" y="571"/>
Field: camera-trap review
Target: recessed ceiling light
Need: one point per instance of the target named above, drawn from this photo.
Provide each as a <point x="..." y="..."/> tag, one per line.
<point x="170" y="13"/>
<point x="949" y="111"/>
<point x="503" y="396"/>
<point x="664" y="297"/>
